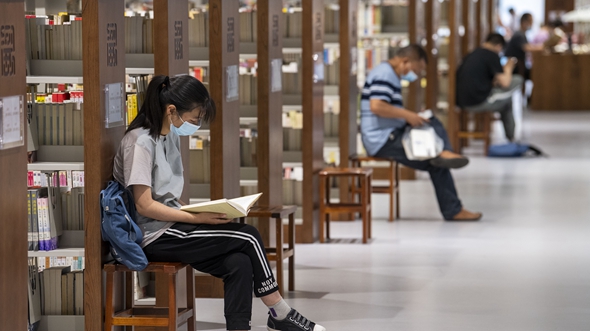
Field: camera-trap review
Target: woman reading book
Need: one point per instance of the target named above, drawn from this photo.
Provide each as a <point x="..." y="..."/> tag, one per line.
<point x="149" y="164"/>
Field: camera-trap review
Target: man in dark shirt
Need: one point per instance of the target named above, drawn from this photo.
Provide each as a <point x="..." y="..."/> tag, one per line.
<point x="484" y="85"/>
<point x="518" y="46"/>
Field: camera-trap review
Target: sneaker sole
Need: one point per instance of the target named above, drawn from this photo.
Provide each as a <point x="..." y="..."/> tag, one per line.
<point x="454" y="163"/>
<point x="321" y="329"/>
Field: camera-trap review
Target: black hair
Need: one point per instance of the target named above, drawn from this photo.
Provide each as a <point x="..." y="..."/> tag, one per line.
<point x="413" y="51"/>
<point x="496" y="39"/>
<point x="184" y="92"/>
<point x="511" y="10"/>
<point x="525" y="17"/>
<point x="555" y="23"/>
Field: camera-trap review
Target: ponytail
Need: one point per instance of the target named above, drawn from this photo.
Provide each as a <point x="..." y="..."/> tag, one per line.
<point x="184" y="92"/>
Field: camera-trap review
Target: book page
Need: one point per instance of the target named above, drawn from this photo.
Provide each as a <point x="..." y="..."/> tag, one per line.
<point x="244" y="204"/>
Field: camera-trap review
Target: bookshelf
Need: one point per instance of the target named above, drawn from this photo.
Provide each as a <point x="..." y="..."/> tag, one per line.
<point x="469" y="41"/>
<point x="481" y="21"/>
<point x="103" y="63"/>
<point x="432" y="21"/>
<point x="13" y="237"/>
<point x="456" y="33"/>
<point x="417" y="35"/>
<point x="312" y="42"/>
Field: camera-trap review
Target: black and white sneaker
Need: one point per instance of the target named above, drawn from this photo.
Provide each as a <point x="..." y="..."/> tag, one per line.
<point x="293" y="322"/>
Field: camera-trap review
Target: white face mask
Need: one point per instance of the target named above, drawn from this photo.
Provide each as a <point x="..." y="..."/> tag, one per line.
<point x="186" y="129"/>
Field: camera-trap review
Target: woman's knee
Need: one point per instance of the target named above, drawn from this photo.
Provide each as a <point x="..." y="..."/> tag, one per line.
<point x="238" y="264"/>
<point x="249" y="229"/>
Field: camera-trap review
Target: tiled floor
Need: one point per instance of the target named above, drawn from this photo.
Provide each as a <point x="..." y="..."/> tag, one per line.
<point x="524" y="267"/>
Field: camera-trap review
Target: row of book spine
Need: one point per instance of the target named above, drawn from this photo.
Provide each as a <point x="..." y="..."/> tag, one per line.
<point x="374" y="19"/>
<point x="47" y="41"/>
<point x="59" y="123"/>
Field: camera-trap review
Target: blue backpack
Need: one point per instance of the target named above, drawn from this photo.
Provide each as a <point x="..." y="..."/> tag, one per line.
<point x="118" y="226"/>
<point x="514" y="150"/>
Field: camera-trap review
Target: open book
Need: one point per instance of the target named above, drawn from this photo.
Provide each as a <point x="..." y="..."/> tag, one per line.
<point x="233" y="208"/>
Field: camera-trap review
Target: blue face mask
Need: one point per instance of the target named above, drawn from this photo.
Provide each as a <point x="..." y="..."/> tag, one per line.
<point x="186" y="129"/>
<point x="410" y="76"/>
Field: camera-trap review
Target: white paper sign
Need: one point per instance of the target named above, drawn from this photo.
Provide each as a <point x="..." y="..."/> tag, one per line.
<point x="232" y="92"/>
<point x="318" y="67"/>
<point x="114" y="104"/>
<point x="276" y="75"/>
<point x="11" y="126"/>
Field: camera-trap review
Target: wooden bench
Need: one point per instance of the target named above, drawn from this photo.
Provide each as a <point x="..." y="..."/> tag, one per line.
<point x="363" y="175"/>
<point x="279" y="252"/>
<point x="170" y="317"/>
<point x="393" y="177"/>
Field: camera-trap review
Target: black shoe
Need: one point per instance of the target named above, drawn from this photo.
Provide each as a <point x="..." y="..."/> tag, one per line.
<point x="450" y="163"/>
<point x="293" y="322"/>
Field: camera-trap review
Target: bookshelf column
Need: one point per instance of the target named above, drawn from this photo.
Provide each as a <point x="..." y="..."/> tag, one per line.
<point x="417" y="32"/>
<point x="469" y="42"/>
<point x="269" y="154"/>
<point x="432" y="24"/>
<point x="348" y="88"/>
<point x="457" y="32"/>
<point x="482" y="24"/>
<point x="103" y="27"/>
<point x="171" y="57"/>
<point x="13" y="169"/>
<point x="312" y="43"/>
<point x="225" y="130"/>
<point x="492" y="14"/>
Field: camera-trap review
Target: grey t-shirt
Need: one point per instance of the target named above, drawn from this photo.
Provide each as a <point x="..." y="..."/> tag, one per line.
<point x="142" y="160"/>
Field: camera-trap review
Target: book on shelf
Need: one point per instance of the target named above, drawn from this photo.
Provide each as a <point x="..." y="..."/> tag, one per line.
<point x="198" y="29"/>
<point x="232" y="208"/>
<point x="34" y="295"/>
<point x="62" y="291"/>
<point x="74" y="262"/>
<point x="60" y="124"/>
<point x="199" y="154"/>
<point x="53" y="39"/>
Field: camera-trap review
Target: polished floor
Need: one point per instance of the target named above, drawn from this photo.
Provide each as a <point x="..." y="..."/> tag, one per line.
<point x="524" y="267"/>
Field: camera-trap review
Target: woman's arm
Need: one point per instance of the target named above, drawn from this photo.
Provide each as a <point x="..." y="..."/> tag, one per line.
<point x="148" y="207"/>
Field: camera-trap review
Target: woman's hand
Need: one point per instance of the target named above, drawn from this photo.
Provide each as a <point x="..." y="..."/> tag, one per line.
<point x="209" y="218"/>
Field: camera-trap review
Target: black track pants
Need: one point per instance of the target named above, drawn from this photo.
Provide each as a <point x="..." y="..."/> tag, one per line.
<point x="233" y="252"/>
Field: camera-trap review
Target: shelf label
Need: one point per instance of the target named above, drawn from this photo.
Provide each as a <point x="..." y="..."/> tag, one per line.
<point x="112" y="59"/>
<point x="178" y="40"/>
<point x="319" y="27"/>
<point x="114" y="105"/>
<point x="11" y="121"/>
<point x="232" y="91"/>
<point x="7" y="50"/>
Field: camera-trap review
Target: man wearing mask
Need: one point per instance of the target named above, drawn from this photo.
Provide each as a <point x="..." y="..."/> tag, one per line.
<point x="384" y="120"/>
<point x="518" y="46"/>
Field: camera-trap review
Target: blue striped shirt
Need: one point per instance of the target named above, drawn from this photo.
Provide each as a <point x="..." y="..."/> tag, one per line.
<point x="383" y="84"/>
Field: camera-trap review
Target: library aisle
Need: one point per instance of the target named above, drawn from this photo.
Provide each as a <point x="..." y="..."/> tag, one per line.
<point x="524" y="267"/>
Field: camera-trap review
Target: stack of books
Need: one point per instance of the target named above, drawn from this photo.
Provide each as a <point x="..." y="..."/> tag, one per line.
<point x="49" y="38"/>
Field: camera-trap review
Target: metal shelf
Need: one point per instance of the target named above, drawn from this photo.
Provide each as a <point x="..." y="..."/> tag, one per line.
<point x="54" y="80"/>
<point x="56" y="166"/>
<point x="67" y="252"/>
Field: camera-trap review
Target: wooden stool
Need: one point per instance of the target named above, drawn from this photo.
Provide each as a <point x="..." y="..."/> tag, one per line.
<point x="393" y="176"/>
<point x="171" y="317"/>
<point x="482" y="129"/>
<point x="363" y="206"/>
<point x="279" y="253"/>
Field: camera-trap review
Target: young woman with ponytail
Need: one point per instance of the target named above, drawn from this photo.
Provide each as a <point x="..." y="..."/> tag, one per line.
<point x="149" y="163"/>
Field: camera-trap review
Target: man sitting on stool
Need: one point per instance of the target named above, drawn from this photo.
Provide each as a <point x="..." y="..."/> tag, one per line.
<point x="483" y="85"/>
<point x="384" y="120"/>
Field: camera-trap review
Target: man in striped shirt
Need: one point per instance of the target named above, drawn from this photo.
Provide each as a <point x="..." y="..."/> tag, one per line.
<point x="384" y="120"/>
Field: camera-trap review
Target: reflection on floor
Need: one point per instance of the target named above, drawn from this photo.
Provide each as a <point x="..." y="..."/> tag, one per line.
<point x="524" y="267"/>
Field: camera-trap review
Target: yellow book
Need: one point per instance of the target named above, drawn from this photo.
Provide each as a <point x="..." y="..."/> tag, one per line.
<point x="233" y="208"/>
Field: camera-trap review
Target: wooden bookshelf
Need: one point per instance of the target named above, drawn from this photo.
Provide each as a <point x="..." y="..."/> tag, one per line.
<point x="492" y="14"/>
<point x="312" y="43"/>
<point x="348" y="89"/>
<point x="13" y="175"/>
<point x="469" y="41"/>
<point x="225" y="139"/>
<point x="454" y="58"/>
<point x="104" y="63"/>
<point x="432" y="11"/>
<point x="482" y="23"/>
<point x="417" y="35"/>
<point x="269" y="153"/>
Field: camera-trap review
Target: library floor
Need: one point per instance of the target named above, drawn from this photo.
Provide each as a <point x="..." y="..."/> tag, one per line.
<point x="525" y="266"/>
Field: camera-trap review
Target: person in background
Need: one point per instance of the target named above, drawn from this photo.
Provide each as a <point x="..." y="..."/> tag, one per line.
<point x="149" y="164"/>
<point x="384" y="120"/>
<point x="518" y="46"/>
<point x="513" y="24"/>
<point x="484" y="85"/>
